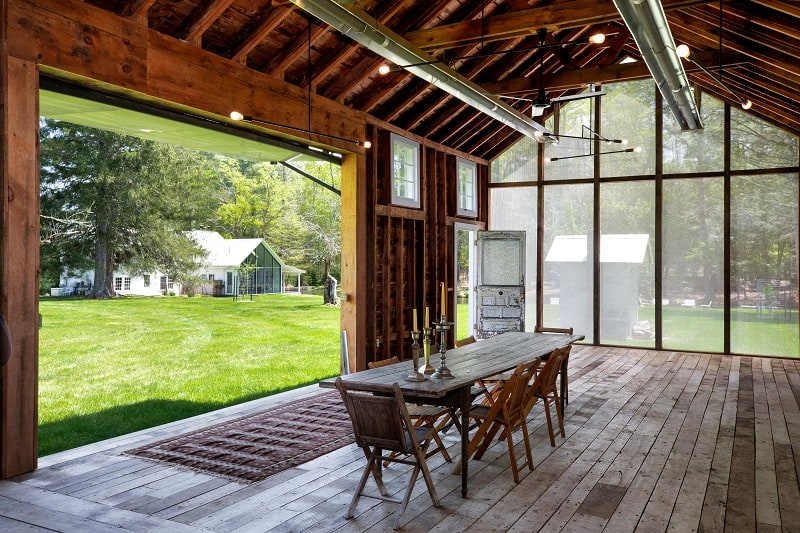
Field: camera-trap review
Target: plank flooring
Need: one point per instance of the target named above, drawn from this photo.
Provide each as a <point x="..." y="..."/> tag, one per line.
<point x="655" y="441"/>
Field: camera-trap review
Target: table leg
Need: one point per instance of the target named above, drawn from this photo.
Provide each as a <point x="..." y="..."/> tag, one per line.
<point x="466" y="402"/>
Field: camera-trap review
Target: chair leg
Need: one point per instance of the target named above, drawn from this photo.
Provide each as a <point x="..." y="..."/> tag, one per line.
<point x="487" y="440"/>
<point x="370" y="468"/>
<point x="549" y="422"/>
<point x="403" y="504"/>
<point x="560" y="414"/>
<point x="511" y="455"/>
<point x="439" y="448"/>
<point x="527" y="440"/>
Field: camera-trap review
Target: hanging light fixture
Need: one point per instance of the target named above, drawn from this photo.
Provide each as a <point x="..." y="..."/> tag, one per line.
<point x="587" y="134"/>
<point x="237" y="116"/>
<point x="685" y="53"/>
<point x="636" y="150"/>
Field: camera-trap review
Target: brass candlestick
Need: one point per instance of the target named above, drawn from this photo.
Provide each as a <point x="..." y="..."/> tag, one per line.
<point x="443" y="372"/>
<point x="427" y="334"/>
<point x="415" y="349"/>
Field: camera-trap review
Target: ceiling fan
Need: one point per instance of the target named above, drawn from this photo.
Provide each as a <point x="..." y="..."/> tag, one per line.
<point x="542" y="102"/>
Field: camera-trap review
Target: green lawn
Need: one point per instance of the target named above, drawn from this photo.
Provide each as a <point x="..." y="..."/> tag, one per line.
<point x="112" y="367"/>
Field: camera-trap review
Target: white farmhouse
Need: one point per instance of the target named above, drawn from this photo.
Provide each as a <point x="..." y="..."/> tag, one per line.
<point x="219" y="271"/>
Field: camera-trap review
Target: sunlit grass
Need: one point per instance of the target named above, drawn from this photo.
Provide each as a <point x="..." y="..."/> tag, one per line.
<point x="111" y="367"/>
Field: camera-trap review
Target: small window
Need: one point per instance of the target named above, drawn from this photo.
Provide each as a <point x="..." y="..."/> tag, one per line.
<point x="166" y="283"/>
<point x="147" y="280"/>
<point x="405" y="172"/>
<point x="211" y="277"/>
<point x="467" y="188"/>
<point x="118" y="284"/>
<point x="126" y="283"/>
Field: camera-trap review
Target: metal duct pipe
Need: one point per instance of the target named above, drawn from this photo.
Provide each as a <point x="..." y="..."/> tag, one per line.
<point x="648" y="25"/>
<point x="356" y="24"/>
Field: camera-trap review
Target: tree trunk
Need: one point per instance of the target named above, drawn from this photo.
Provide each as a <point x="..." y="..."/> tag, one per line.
<point x="103" y="266"/>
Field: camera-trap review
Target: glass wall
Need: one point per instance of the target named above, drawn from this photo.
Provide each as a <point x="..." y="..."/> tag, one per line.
<point x="681" y="297"/>
<point x="568" y="283"/>
<point x="627" y="282"/>
<point x="692" y="295"/>
<point x="764" y="265"/>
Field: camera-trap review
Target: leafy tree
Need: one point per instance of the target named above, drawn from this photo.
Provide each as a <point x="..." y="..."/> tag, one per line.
<point x="109" y="200"/>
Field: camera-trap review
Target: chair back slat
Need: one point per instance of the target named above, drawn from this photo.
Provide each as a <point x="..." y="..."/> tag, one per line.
<point x="383" y="362"/>
<point x="379" y="415"/>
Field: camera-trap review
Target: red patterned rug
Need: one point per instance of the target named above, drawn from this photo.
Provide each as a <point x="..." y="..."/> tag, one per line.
<point x="257" y="446"/>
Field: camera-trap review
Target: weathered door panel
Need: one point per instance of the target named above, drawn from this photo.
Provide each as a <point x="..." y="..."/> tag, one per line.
<point x="500" y="289"/>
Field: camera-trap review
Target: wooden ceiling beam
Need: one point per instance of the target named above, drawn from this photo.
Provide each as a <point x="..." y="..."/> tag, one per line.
<point x="269" y="21"/>
<point x="136" y="10"/>
<point x="565" y="15"/>
<point x="201" y="18"/>
<point x="787" y="8"/>
<point x="299" y="48"/>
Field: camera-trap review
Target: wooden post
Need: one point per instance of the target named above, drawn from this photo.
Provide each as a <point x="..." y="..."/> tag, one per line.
<point x="19" y="258"/>
<point x="355" y="255"/>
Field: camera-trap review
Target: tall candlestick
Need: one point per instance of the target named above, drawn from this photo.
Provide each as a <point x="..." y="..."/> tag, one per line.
<point x="415" y="320"/>
<point x="443" y="301"/>
<point x="427" y="322"/>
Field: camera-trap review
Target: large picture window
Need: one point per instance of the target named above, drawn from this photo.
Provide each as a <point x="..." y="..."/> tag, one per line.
<point x="467" y="188"/>
<point x="405" y="172"/>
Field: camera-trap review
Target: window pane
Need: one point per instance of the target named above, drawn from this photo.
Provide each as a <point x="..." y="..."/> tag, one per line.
<point x="517" y="163"/>
<point x="628" y="113"/>
<point x="467" y="171"/>
<point x="405" y="171"/>
<point x="756" y="144"/>
<point x="692" y="285"/>
<point x="568" y="285"/>
<point x="627" y="214"/>
<point x="696" y="151"/>
<point x="764" y="265"/>
<point x="514" y="209"/>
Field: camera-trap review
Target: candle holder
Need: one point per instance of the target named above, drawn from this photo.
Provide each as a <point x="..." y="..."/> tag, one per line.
<point x="427" y="334"/>
<point x="442" y="326"/>
<point x="415" y="350"/>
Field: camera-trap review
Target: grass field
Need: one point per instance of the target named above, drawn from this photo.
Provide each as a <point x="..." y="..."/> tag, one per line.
<point x="111" y="367"/>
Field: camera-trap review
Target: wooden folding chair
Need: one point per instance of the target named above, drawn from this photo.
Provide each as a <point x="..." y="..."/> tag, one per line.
<point x="424" y="415"/>
<point x="506" y="412"/>
<point x="381" y="422"/>
<point x="564" y="393"/>
<point x="544" y="388"/>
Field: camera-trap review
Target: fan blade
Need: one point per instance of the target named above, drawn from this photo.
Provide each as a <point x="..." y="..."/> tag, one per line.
<point x="580" y="96"/>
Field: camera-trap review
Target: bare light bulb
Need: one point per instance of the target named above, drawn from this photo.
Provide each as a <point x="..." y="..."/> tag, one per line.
<point x="747" y="104"/>
<point x="597" y="38"/>
<point x="235" y="115"/>
<point x="683" y="51"/>
<point x="383" y="70"/>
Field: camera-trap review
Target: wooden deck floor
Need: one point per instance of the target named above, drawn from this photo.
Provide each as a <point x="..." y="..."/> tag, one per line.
<point x="656" y="441"/>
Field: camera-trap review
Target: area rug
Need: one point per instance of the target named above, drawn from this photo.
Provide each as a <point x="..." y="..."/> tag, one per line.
<point x="254" y="447"/>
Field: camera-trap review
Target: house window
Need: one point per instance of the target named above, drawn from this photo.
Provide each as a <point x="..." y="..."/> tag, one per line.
<point x="166" y="283"/>
<point x="211" y="277"/>
<point x="118" y="284"/>
<point x="146" y="280"/>
<point x="467" y="188"/>
<point x="405" y="172"/>
<point x="126" y="283"/>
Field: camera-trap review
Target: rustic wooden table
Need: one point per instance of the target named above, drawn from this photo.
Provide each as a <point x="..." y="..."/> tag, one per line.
<point x="468" y="364"/>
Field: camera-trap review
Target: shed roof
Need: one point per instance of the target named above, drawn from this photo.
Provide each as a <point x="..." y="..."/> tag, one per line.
<point x="626" y="248"/>
<point x="224" y="252"/>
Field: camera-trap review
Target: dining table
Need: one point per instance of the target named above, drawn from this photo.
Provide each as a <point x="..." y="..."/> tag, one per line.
<point x="468" y="364"/>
